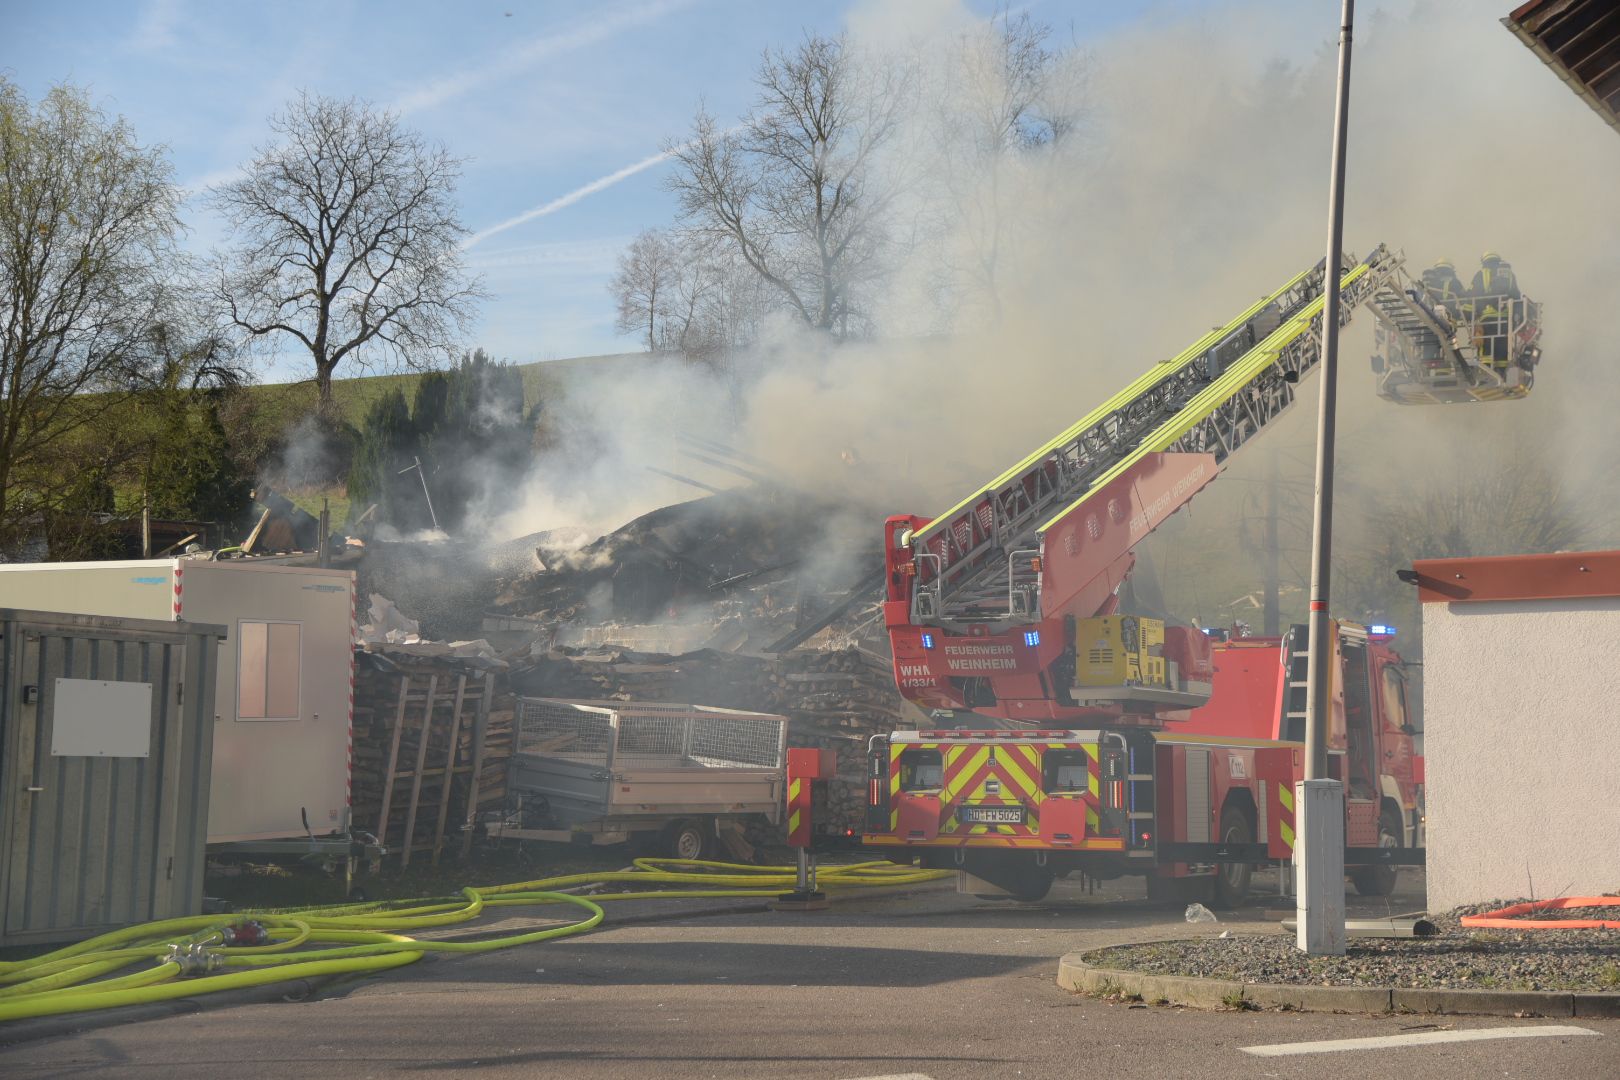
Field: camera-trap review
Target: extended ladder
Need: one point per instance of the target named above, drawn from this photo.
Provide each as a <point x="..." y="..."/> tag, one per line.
<point x="1212" y="398"/>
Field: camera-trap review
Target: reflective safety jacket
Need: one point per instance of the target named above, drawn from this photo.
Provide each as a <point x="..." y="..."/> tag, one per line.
<point x="1495" y="280"/>
<point x="1443" y="284"/>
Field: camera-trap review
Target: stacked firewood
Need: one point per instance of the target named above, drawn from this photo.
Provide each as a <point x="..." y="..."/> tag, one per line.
<point x="379" y="683"/>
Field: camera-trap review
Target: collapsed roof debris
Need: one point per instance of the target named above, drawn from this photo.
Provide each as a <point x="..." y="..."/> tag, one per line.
<point x="734" y="571"/>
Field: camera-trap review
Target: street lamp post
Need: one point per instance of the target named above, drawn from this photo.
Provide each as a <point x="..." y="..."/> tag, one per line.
<point x="1319" y="801"/>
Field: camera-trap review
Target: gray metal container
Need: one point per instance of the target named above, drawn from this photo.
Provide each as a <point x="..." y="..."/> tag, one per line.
<point x="106" y="743"/>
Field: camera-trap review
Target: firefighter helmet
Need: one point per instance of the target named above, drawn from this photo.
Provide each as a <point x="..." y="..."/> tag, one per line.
<point x="1490" y="257"/>
<point x="1444" y="264"/>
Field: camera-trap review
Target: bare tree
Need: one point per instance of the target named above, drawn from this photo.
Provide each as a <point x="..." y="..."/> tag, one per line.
<point x="1007" y="99"/>
<point x="1509" y="497"/>
<point x="796" y="193"/>
<point x="87" y="219"/>
<point x="346" y="240"/>
<point x="644" y="284"/>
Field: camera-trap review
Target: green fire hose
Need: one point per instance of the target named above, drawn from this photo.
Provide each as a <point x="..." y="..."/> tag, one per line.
<point x="209" y="953"/>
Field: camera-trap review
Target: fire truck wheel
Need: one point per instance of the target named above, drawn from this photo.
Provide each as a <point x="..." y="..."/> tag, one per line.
<point x="685" y="839"/>
<point x="1232" y="879"/>
<point x="1034" y="884"/>
<point x="1380" y="880"/>
<point x="1026" y="884"/>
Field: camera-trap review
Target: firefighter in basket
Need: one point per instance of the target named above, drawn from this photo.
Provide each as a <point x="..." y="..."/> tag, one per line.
<point x="1444" y="287"/>
<point x="1493" y="294"/>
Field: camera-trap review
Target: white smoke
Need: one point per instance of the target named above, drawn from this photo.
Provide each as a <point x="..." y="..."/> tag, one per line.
<point x="1199" y="186"/>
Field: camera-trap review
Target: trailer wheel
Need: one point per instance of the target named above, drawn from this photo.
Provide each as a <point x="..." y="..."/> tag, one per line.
<point x="1232" y="879"/>
<point x="685" y="839"/>
<point x="1380" y="880"/>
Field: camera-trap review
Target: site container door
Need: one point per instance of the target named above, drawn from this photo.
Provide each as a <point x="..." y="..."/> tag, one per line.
<point x="105" y="747"/>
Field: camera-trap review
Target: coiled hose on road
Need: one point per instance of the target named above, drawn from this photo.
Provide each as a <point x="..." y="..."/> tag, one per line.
<point x="209" y="953"/>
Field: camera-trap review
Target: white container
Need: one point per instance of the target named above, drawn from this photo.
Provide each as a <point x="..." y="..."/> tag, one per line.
<point x="284" y="703"/>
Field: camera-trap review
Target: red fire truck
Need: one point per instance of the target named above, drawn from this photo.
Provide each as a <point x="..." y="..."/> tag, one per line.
<point x="1091" y="740"/>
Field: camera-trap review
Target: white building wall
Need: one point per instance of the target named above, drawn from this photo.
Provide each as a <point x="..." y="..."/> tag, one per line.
<point x="268" y="775"/>
<point x="1522" y="749"/>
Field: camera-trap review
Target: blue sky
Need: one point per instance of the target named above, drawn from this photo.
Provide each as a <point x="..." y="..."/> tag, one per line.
<point x="544" y="99"/>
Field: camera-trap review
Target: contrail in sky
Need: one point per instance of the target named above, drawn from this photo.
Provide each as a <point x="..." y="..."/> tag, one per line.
<point x="562" y="201"/>
<point x="595" y="27"/>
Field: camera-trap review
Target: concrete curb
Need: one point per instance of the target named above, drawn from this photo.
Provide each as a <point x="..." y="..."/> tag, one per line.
<point x="1076" y="974"/>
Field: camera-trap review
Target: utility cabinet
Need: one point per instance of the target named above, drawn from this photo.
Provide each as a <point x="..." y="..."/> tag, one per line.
<point x="106" y="739"/>
<point x="281" y="711"/>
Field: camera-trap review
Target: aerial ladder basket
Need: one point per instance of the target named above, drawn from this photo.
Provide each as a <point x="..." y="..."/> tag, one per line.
<point x="1432" y="350"/>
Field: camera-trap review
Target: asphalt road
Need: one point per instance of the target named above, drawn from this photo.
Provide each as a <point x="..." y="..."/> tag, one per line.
<point x="928" y="985"/>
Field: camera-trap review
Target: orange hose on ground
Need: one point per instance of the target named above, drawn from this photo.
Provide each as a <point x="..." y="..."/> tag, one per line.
<point x="1505" y="918"/>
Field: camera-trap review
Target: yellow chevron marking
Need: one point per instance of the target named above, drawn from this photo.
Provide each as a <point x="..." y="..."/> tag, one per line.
<point x="1285" y="795"/>
<point x="894" y="784"/>
<point x="1091" y="784"/>
<point x="1023" y="780"/>
<point x="894" y="821"/>
<point x="794" y="787"/>
<point x="1287" y="833"/>
<point x="976" y="759"/>
<point x="1092" y="824"/>
<point x="793" y="822"/>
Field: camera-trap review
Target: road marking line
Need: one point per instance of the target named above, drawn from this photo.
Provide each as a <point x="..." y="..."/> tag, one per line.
<point x="895" y="1076"/>
<point x="1421" y="1038"/>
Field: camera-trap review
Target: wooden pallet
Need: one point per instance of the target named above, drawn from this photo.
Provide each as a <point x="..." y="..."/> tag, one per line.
<point x="430" y="710"/>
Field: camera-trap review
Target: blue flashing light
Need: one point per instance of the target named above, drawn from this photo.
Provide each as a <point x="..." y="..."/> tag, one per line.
<point x="1032" y="638"/>
<point x="928" y="641"/>
<point x="1381" y="630"/>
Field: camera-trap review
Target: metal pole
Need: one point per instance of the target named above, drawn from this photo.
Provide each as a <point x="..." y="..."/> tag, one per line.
<point x="1319" y="801"/>
<point x="1319" y="686"/>
<point x="323" y="548"/>
<point x="420" y="475"/>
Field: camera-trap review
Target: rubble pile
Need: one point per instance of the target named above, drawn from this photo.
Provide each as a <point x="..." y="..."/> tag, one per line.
<point x="445" y="586"/>
<point x="751" y="553"/>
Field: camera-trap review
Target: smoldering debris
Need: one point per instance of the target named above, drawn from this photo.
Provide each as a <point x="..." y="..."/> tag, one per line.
<point x="746" y="565"/>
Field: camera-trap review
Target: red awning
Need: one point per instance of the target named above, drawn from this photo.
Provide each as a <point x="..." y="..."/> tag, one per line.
<point x="1564" y="576"/>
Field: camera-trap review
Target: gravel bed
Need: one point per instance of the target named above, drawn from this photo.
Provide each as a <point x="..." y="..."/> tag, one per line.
<point x="1604" y="914"/>
<point x="1459" y="958"/>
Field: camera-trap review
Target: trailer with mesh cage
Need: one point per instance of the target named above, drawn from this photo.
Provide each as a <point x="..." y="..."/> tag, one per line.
<point x="666" y="777"/>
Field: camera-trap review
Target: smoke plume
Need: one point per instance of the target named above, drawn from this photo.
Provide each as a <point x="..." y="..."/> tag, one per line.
<point x="1197" y="183"/>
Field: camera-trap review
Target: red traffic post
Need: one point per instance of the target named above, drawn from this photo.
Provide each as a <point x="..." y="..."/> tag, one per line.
<point x="806" y="770"/>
